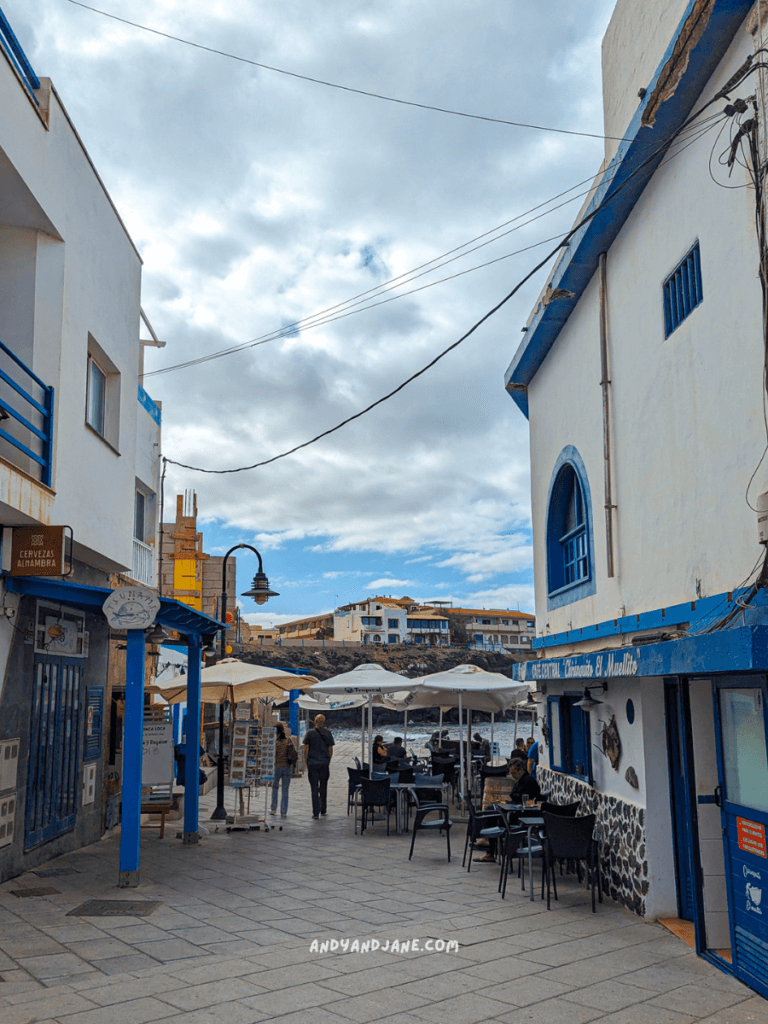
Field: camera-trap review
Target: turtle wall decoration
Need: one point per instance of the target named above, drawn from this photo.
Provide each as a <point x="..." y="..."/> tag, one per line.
<point x="611" y="742"/>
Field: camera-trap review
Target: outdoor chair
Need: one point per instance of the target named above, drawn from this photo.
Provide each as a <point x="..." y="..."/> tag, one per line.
<point x="425" y="793"/>
<point x="571" y="839"/>
<point x="392" y="766"/>
<point x="375" y="793"/>
<point x="482" y="827"/>
<point x="355" y="775"/>
<point x="442" y="823"/>
<point x="564" y="810"/>
<point x="515" y="836"/>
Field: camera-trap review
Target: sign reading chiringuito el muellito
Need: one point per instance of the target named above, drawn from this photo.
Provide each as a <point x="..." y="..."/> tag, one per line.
<point x="37" y="551"/>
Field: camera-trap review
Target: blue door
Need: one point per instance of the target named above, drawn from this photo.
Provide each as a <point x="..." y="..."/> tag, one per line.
<point x="54" y="750"/>
<point x="743" y="760"/>
<point x="680" y="756"/>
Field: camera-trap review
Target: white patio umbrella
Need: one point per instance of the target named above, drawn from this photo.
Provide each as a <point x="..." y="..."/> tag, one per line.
<point x="470" y="687"/>
<point x="366" y="680"/>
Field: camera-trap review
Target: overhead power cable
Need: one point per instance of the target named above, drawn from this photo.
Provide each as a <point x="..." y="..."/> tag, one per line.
<point x="441" y="355"/>
<point x="326" y="316"/>
<point x="344" y="88"/>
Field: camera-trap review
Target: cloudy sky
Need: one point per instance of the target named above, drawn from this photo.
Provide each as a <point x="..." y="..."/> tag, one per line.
<point x="260" y="200"/>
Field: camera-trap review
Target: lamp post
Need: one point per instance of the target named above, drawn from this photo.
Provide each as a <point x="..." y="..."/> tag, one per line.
<point x="261" y="593"/>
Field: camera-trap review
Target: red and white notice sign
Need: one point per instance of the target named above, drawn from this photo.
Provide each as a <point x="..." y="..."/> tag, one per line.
<point x="751" y="836"/>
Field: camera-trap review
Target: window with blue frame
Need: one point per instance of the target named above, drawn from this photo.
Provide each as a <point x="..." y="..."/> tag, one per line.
<point x="569" y="737"/>
<point x="682" y="290"/>
<point x="568" y="561"/>
<point x="393" y="623"/>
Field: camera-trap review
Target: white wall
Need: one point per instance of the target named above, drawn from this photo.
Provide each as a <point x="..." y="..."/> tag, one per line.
<point x="633" y="46"/>
<point x="686" y="411"/>
<point x="87" y="280"/>
<point x="662" y="886"/>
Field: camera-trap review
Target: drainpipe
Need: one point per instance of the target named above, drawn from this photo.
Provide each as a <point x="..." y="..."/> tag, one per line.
<point x="605" y="386"/>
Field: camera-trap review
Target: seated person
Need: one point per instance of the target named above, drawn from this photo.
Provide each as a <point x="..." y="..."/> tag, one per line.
<point x="485" y="747"/>
<point x="379" y="750"/>
<point x="519" y="750"/>
<point x="525" y="787"/>
<point x="396" y="749"/>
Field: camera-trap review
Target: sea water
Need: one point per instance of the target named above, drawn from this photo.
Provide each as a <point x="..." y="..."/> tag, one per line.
<point x="419" y="734"/>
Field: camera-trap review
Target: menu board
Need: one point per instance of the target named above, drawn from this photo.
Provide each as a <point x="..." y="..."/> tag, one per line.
<point x="267" y="738"/>
<point x="244" y="754"/>
<point x="157" y="756"/>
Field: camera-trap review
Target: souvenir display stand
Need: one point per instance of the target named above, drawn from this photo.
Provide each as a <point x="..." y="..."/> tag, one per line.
<point x="251" y="763"/>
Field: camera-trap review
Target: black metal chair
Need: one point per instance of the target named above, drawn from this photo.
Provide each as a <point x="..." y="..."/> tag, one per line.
<point x="482" y="827"/>
<point x="564" y="810"/>
<point x="355" y="774"/>
<point x="514" y="837"/>
<point x="571" y="839"/>
<point x="488" y="771"/>
<point x="442" y="823"/>
<point x="375" y="793"/>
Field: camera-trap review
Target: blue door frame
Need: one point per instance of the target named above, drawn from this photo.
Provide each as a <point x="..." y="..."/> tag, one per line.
<point x="682" y="790"/>
<point x="746" y="855"/>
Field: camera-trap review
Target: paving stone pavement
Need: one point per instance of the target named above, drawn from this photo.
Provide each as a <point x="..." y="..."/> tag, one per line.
<point x="232" y="939"/>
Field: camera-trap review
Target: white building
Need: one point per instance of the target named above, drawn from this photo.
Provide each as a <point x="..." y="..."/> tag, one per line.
<point x="79" y="447"/>
<point x="642" y="374"/>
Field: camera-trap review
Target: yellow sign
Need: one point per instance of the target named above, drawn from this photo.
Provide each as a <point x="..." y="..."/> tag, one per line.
<point x="37" y="551"/>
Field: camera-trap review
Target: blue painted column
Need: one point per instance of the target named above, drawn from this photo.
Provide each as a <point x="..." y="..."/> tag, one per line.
<point x="293" y="713"/>
<point x="192" y="747"/>
<point x="133" y="748"/>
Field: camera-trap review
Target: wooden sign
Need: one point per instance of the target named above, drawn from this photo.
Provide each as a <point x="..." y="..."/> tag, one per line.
<point x="38" y="551"/>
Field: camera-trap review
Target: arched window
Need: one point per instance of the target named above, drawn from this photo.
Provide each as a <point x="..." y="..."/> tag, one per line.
<point x="569" y="542"/>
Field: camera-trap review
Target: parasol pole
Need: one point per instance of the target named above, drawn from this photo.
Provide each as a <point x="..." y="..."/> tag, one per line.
<point x="492" y="718"/>
<point x="440" y="729"/>
<point x="461" y="748"/>
<point x="362" y="733"/>
<point x="405" y="731"/>
<point x="517" y="715"/>
<point x="370" y="735"/>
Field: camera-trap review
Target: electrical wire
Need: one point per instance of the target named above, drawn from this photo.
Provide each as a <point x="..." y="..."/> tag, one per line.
<point x="344" y="88"/>
<point x="324" y="317"/>
<point x="441" y="355"/>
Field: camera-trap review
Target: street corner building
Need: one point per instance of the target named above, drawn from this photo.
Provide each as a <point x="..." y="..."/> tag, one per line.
<point x="641" y="372"/>
<point x="79" y="470"/>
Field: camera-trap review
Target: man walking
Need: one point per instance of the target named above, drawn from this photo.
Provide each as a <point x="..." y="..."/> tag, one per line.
<point x="318" y="751"/>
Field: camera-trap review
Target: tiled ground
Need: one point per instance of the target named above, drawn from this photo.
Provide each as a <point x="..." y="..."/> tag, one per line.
<point x="231" y="942"/>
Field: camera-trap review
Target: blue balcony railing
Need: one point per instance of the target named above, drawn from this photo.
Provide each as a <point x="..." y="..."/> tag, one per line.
<point x="17" y="57"/>
<point x="29" y="431"/>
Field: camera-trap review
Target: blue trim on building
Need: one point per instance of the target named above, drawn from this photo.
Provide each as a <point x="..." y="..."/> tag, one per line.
<point x="696" y="614"/>
<point x="728" y="651"/>
<point x="578" y="262"/>
<point x="146" y="402"/>
<point x="570" y="456"/>
<point x="12" y="47"/>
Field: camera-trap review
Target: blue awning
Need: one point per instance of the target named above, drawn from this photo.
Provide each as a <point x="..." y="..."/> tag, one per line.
<point x="173" y="614"/>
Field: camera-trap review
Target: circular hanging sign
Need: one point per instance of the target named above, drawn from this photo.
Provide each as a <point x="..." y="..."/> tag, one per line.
<point x="131" y="608"/>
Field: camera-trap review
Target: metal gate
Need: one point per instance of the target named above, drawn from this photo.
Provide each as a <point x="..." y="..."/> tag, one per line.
<point x="54" y="750"/>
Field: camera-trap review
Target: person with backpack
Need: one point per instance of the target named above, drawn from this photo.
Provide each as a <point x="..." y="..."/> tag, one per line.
<point x="318" y="751"/>
<point x="285" y="759"/>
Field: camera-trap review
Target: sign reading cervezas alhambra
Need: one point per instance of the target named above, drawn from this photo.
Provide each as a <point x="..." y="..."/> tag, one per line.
<point x="37" y="551"/>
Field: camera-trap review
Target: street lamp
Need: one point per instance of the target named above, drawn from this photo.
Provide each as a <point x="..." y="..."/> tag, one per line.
<point x="261" y="593"/>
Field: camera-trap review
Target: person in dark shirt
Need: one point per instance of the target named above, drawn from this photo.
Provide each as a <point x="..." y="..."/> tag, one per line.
<point x="519" y="751"/>
<point x="318" y="751"/>
<point x="525" y="787"/>
<point x="379" y="750"/>
<point x="396" y="749"/>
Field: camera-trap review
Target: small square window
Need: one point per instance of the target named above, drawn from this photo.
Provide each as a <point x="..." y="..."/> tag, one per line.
<point x="682" y="291"/>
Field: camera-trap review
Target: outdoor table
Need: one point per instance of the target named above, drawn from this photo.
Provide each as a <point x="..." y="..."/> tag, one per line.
<point x="531" y="823"/>
<point x="399" y="788"/>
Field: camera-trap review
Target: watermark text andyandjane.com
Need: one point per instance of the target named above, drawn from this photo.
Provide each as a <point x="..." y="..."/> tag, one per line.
<point x="390" y="946"/>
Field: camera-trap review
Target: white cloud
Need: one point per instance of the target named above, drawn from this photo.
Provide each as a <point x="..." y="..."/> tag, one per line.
<point x="421" y="558"/>
<point x="256" y="199"/>
<point x="388" y="584"/>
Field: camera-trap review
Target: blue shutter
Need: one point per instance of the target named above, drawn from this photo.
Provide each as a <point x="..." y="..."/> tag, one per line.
<point x="93" y="722"/>
<point x="556" y="738"/>
<point x="580" y="764"/>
